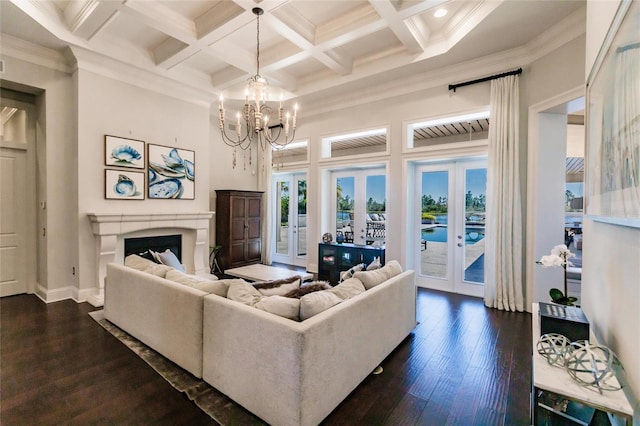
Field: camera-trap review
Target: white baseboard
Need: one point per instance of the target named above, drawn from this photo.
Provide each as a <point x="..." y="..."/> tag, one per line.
<point x="64" y="293"/>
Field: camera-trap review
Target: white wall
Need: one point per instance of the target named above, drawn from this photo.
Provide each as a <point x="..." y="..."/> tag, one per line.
<point x="610" y="283"/>
<point x="108" y="106"/>
<point x="56" y="158"/>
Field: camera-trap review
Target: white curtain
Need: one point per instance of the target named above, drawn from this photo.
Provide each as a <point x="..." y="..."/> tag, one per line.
<point x="503" y="251"/>
<point x="265" y="184"/>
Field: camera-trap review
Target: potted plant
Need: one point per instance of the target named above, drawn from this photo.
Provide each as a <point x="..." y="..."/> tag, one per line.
<point x="559" y="256"/>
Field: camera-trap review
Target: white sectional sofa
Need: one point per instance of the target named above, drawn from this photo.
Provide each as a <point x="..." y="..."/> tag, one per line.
<point x="296" y="373"/>
<point x="284" y="371"/>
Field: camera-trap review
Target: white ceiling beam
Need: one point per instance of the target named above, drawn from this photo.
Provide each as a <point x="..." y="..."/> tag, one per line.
<point x="333" y="61"/>
<point x="220" y="15"/>
<point x="388" y="12"/>
<point x="86" y="17"/>
<point x="163" y="19"/>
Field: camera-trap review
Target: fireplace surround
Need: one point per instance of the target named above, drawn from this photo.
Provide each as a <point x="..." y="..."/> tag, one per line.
<point x="110" y="231"/>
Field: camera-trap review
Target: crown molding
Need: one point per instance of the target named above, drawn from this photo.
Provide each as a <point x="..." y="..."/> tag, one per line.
<point x="34" y="53"/>
<point x="127" y="73"/>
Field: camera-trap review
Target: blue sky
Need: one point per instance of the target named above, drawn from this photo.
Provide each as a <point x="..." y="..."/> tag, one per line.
<point x="375" y="187"/>
<point x="435" y="183"/>
<point x="577" y="188"/>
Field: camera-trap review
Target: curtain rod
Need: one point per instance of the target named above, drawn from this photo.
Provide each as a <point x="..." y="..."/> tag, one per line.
<point x="481" y="80"/>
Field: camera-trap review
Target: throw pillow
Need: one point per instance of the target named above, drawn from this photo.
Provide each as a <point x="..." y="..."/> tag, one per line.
<point x="308" y="288"/>
<point x="349" y="273"/>
<point x="137" y="262"/>
<point x="243" y="292"/>
<point x="168" y="258"/>
<point x="375" y="264"/>
<point x="281" y="306"/>
<point x="373" y="278"/>
<point x="393" y="268"/>
<point x="314" y="303"/>
<point x="348" y="289"/>
<point x="277" y="287"/>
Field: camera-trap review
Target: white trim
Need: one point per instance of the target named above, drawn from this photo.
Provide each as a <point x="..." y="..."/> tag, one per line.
<point x="555" y="103"/>
<point x="34" y="53"/>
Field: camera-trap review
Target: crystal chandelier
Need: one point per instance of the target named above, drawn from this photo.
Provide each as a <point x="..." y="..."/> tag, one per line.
<point x="256" y="121"/>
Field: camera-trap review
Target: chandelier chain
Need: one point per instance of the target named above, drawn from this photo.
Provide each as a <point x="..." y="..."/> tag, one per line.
<point x="258" y="45"/>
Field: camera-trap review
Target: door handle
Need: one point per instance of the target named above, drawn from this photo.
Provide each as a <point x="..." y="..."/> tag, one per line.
<point x="459" y="244"/>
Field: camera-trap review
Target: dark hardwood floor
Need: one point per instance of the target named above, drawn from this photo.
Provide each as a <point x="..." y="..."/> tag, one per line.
<point x="464" y="364"/>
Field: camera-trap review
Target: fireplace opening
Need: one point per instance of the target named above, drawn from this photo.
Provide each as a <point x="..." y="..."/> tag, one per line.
<point x="158" y="243"/>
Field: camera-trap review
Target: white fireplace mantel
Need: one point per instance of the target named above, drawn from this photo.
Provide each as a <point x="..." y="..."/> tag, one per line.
<point x="110" y="229"/>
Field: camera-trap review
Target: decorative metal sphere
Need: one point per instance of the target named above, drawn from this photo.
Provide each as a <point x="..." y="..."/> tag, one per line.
<point x="553" y="347"/>
<point x="592" y="365"/>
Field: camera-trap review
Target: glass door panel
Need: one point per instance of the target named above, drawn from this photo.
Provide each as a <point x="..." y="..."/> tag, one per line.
<point x="301" y="223"/>
<point x="345" y="204"/>
<point x="375" y="218"/>
<point x="282" y="217"/>
<point x="434" y="219"/>
<point x="474" y="224"/>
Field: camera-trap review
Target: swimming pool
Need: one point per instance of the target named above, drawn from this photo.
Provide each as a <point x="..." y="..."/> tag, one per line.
<point x="439" y="234"/>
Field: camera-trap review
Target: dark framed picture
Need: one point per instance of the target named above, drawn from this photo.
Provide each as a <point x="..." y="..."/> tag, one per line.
<point x="613" y="124"/>
<point x="172" y="173"/>
<point x="123" y="152"/>
<point x="123" y="185"/>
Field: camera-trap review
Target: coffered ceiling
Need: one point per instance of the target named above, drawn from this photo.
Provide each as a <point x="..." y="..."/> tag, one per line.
<point x="306" y="46"/>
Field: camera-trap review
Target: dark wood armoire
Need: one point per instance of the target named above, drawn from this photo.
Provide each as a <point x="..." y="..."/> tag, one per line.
<point x="238" y="227"/>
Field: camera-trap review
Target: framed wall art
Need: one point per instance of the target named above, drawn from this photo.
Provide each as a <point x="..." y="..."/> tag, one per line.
<point x="613" y="123"/>
<point x="123" y="152"/>
<point x="171" y="172"/>
<point x="123" y="185"/>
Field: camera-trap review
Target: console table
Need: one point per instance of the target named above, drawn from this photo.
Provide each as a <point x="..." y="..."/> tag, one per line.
<point x="557" y="396"/>
<point x="334" y="258"/>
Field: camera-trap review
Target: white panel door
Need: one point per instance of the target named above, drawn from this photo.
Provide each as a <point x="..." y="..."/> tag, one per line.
<point x="13" y="204"/>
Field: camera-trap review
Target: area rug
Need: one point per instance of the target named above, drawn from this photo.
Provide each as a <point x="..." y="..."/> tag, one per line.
<point x="218" y="406"/>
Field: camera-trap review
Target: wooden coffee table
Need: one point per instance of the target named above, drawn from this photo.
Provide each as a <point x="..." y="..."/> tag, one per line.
<point x="260" y="272"/>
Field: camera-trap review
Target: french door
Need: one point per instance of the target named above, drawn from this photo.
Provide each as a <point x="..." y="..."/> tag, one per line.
<point x="360" y="206"/>
<point x="290" y="219"/>
<point x="450" y="221"/>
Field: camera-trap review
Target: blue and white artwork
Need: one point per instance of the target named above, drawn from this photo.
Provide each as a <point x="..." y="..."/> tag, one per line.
<point x="172" y="172"/>
<point x="123" y="185"/>
<point x="122" y="152"/>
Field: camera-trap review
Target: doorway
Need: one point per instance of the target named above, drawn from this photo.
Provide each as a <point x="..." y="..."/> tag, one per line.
<point x="450" y="221"/>
<point x="360" y="206"/>
<point x="290" y="219"/>
<point x="17" y="193"/>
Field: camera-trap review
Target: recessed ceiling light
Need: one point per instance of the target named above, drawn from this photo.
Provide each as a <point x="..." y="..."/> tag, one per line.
<point x="440" y="13"/>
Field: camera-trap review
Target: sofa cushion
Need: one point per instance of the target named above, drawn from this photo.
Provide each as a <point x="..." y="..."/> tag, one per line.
<point x="138" y="262"/>
<point x="281" y="306"/>
<point x="314" y="303"/>
<point x="219" y="287"/>
<point x="308" y="288"/>
<point x="158" y="270"/>
<point x="243" y="292"/>
<point x="348" y="288"/>
<point x="278" y="287"/>
<point x="371" y="279"/>
<point x="168" y="258"/>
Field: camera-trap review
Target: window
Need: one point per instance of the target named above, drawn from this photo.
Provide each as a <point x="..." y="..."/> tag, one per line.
<point x="447" y="130"/>
<point x="367" y="142"/>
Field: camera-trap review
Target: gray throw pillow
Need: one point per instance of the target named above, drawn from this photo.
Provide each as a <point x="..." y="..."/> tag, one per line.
<point x="168" y="258"/>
